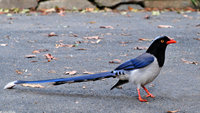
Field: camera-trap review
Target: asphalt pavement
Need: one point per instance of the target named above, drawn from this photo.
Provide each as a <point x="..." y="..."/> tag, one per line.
<point x="78" y="43"/>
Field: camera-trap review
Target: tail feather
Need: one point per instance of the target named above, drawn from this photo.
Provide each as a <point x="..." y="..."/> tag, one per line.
<point x="59" y="81"/>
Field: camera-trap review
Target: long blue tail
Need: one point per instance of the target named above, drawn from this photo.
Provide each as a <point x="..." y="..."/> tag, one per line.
<point x="84" y="78"/>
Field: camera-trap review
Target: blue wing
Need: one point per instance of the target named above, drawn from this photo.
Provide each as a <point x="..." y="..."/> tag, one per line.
<point x="138" y="62"/>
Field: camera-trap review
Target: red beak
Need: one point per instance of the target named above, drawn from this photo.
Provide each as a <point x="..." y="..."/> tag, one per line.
<point x="171" y="41"/>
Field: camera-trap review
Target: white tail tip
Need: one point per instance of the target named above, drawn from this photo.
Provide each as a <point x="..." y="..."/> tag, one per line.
<point x="10" y="85"/>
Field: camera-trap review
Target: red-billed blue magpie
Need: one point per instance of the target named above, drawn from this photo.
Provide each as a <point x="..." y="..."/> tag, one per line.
<point x="139" y="71"/>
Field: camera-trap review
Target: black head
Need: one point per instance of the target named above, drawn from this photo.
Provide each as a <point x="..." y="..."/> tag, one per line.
<point x="158" y="47"/>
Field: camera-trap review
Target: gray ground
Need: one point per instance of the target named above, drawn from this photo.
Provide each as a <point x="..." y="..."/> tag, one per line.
<point x="176" y="88"/>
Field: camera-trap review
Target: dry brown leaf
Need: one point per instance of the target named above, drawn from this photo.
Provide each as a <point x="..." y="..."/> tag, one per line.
<point x="147" y="17"/>
<point x="197" y="39"/>
<point x="19" y="72"/>
<point x="189" y="62"/>
<point x="144" y="39"/>
<point x="173" y="111"/>
<point x="40" y="50"/>
<point x="81" y="49"/>
<point x="115" y="61"/>
<point x="52" y="34"/>
<point x="61" y="13"/>
<point x="165" y="26"/>
<point x="87" y="72"/>
<point x="92" y="37"/>
<point x="107" y="27"/>
<point x="65" y="45"/>
<point x="73" y="35"/>
<point x="33" y="85"/>
<point x="30" y="56"/>
<point x="89" y="9"/>
<point x="140" y="48"/>
<point x="49" y="57"/>
<point x="70" y="72"/>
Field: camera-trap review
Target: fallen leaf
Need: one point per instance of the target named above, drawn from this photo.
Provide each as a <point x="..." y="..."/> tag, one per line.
<point x="197" y="39"/>
<point x="30" y="56"/>
<point x="73" y="35"/>
<point x="33" y="85"/>
<point x="52" y="71"/>
<point x="92" y="22"/>
<point x="173" y="111"/>
<point x="81" y="49"/>
<point x="61" y="13"/>
<point x="155" y="13"/>
<point x="87" y="72"/>
<point x="165" y="26"/>
<point x="3" y="44"/>
<point x="198" y="25"/>
<point x="144" y="39"/>
<point x="89" y="9"/>
<point x="40" y="50"/>
<point x="33" y="61"/>
<point x="124" y="42"/>
<point x="52" y="34"/>
<point x="65" y="45"/>
<point x="92" y="37"/>
<point x="49" y="57"/>
<point x="125" y="34"/>
<point x="107" y="27"/>
<point x="115" y="61"/>
<point x="147" y="17"/>
<point x="140" y="48"/>
<point x="70" y="72"/>
<point x="189" y="62"/>
<point x="19" y="72"/>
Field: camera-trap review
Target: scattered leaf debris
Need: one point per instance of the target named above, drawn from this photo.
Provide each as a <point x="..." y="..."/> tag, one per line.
<point x="140" y="48"/>
<point x="70" y="72"/>
<point x="197" y="39"/>
<point x="81" y="49"/>
<point x="115" y="61"/>
<point x="165" y="26"/>
<point x="174" y="111"/>
<point x="30" y="56"/>
<point x="87" y="72"/>
<point x="107" y="27"/>
<point x="33" y="85"/>
<point x="52" y="34"/>
<point x="145" y="39"/>
<point x="19" y="72"/>
<point x="92" y="37"/>
<point x="52" y="71"/>
<point x="50" y="57"/>
<point x="189" y="62"/>
<point x="65" y="45"/>
<point x="39" y="51"/>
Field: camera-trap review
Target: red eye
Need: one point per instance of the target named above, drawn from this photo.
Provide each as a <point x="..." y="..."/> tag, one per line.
<point x="162" y="41"/>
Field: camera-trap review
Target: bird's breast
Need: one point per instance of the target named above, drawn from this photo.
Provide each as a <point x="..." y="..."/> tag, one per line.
<point x="145" y="75"/>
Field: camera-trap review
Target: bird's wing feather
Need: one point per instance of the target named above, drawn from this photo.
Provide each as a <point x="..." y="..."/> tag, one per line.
<point x="138" y="62"/>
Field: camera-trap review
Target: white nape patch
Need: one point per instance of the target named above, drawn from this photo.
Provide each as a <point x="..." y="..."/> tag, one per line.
<point x="145" y="75"/>
<point x="10" y="85"/>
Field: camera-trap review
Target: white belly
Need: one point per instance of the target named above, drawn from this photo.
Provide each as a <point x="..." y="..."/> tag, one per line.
<point x="144" y="75"/>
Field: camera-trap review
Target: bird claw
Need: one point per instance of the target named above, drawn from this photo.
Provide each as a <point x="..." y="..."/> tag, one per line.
<point x="142" y="100"/>
<point x="150" y="95"/>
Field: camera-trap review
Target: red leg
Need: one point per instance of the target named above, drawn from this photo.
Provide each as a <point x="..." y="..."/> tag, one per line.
<point x="148" y="93"/>
<point x="139" y="96"/>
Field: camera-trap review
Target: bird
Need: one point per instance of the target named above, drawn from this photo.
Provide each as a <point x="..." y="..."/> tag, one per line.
<point x="139" y="71"/>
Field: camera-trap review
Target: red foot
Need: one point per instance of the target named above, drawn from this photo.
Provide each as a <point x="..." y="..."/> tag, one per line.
<point x="150" y="95"/>
<point x="142" y="100"/>
<point x="139" y="96"/>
